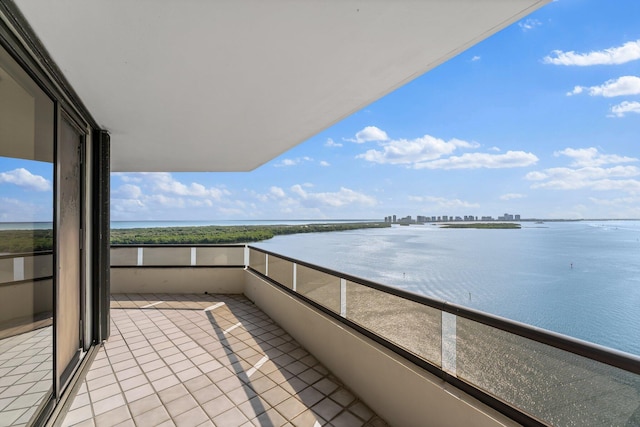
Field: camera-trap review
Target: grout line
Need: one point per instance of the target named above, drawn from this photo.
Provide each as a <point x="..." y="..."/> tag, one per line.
<point x="237" y="325"/>
<point x="213" y="307"/>
<point x="257" y="366"/>
<point x="152" y="304"/>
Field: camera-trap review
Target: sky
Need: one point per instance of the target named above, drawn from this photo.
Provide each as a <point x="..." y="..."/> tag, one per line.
<point x="542" y="120"/>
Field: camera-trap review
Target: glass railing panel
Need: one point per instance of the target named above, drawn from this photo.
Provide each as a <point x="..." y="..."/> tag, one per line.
<point x="320" y="287"/>
<point x="6" y="270"/>
<point x="553" y="385"/>
<point x="177" y="255"/>
<point x="281" y="271"/>
<point x="124" y="256"/>
<point x="415" y="327"/>
<point x="257" y="261"/>
<point x="224" y="255"/>
<point x="38" y="266"/>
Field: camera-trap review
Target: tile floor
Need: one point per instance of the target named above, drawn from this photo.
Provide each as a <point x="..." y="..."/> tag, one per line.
<point x="26" y="373"/>
<point x="208" y="360"/>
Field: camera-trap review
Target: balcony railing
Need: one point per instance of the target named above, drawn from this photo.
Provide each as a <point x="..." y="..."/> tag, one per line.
<point x="534" y="376"/>
<point x="25" y="277"/>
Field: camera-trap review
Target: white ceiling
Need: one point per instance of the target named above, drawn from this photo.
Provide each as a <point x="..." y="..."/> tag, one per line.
<point x="227" y="85"/>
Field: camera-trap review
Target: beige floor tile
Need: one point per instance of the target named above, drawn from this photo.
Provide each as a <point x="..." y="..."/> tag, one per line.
<point x="191" y="418"/>
<point x="145" y="404"/>
<point x="177" y="367"/>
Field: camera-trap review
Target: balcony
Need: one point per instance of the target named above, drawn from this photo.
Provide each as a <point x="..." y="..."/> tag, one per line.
<point x="234" y="335"/>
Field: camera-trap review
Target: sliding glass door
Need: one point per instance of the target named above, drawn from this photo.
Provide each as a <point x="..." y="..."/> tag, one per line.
<point x="27" y="270"/>
<point x="43" y="303"/>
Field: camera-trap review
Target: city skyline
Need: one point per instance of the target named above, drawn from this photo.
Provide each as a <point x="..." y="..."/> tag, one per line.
<point x="542" y="118"/>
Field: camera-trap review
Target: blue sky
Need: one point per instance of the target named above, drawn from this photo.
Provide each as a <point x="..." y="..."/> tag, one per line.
<point x="542" y="120"/>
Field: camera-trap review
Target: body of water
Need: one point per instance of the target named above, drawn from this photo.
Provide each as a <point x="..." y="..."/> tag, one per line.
<point x="577" y="278"/>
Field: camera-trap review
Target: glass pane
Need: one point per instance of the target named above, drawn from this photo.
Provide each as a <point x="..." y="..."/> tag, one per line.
<point x="220" y="256"/>
<point x="321" y="287"/>
<point x="556" y="386"/>
<point x="69" y="257"/>
<point x="281" y="271"/>
<point x="167" y="256"/>
<point x="412" y="326"/>
<point x="26" y="244"/>
<point x="257" y="261"/>
<point x="124" y="256"/>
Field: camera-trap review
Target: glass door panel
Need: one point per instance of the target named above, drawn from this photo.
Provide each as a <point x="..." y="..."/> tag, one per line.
<point x="68" y="319"/>
<point x="26" y="245"/>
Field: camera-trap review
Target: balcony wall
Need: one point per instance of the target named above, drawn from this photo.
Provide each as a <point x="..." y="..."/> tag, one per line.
<point x="177" y="269"/>
<point x="25" y="277"/>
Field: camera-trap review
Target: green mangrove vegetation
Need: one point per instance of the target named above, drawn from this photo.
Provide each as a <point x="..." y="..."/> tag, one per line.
<point x="225" y="234"/>
<point x="485" y="225"/>
<point x="17" y="241"/>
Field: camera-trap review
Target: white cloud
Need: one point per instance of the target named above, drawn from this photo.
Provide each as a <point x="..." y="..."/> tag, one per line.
<point x="331" y="143"/>
<point x="620" y="201"/>
<point x="476" y="58"/>
<point x="277" y="192"/>
<point x="510" y="159"/>
<point x="585" y="157"/>
<point x="624" y="108"/>
<point x="442" y="202"/>
<point x="324" y="164"/>
<point x="629" y="51"/>
<point x="369" y="134"/>
<point x="343" y="197"/>
<point x="166" y="183"/>
<point x="408" y="152"/>
<point x="160" y="195"/>
<point x="127" y="191"/>
<point x="14" y="210"/>
<point x="512" y="196"/>
<point x="594" y="178"/>
<point x="429" y="152"/>
<point x="496" y="149"/>
<point x="625" y="85"/>
<point x="23" y="178"/>
<point x="293" y="162"/>
<point x="529" y="24"/>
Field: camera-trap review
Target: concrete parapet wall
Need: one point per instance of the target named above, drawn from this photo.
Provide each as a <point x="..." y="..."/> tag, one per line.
<point x="177" y="280"/>
<point x="34" y="298"/>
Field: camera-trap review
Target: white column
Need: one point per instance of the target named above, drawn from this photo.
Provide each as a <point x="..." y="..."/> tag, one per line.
<point x="18" y="269"/>
<point x="295" y="276"/>
<point x="343" y="297"/>
<point x="449" y="343"/>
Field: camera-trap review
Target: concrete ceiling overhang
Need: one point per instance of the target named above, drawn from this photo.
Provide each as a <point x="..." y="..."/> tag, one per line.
<point x="194" y="85"/>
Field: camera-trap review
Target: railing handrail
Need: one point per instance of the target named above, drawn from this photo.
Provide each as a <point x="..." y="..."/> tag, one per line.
<point x="619" y="359"/>
<point x="26" y="254"/>
<point x="180" y="245"/>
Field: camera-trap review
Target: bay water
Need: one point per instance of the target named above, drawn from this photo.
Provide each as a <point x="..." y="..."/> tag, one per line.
<point x="578" y="278"/>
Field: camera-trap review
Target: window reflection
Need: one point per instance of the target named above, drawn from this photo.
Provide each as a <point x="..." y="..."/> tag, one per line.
<point x="26" y="244"/>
